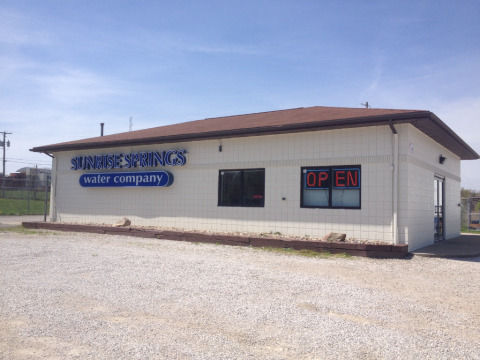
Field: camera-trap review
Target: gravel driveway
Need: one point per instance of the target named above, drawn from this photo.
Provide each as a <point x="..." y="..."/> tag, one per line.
<point x="83" y="296"/>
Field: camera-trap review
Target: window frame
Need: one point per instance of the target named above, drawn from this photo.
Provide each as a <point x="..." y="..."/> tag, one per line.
<point x="331" y="169"/>
<point x="242" y="184"/>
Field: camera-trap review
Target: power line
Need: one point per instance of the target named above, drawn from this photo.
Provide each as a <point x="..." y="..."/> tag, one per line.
<point x="29" y="160"/>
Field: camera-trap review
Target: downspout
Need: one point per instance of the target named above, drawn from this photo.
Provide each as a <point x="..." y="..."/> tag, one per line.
<point x="46" y="192"/>
<point x="53" y="191"/>
<point x="395" y="184"/>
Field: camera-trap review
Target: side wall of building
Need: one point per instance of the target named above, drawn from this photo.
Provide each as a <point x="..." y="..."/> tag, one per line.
<point x="420" y="159"/>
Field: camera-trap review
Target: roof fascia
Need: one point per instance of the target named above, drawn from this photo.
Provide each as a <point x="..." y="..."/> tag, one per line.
<point x="462" y="149"/>
<point x="425" y="121"/>
<point x="457" y="138"/>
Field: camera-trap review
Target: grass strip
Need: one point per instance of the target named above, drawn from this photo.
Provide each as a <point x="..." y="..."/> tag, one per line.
<point x="305" y="253"/>
<point x="21" y="207"/>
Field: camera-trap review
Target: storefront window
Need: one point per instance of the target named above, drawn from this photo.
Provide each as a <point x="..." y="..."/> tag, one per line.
<point x="331" y="187"/>
<point x="242" y="187"/>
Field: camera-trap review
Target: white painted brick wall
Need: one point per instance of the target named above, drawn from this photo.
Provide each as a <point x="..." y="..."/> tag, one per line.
<point x="191" y="201"/>
<point x="418" y="207"/>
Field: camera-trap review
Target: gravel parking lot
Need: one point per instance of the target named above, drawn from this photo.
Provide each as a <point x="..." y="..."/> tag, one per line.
<point x="84" y="296"/>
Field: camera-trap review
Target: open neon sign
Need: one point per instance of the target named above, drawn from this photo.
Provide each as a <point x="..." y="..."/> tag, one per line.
<point x="336" y="178"/>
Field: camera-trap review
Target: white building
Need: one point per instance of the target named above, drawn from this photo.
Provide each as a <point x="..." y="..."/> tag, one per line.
<point x="373" y="174"/>
<point x="35" y="173"/>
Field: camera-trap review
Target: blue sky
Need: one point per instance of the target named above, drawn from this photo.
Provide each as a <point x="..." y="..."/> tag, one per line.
<point x="66" y="66"/>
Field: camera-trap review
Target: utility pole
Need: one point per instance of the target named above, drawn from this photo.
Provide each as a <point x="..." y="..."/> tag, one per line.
<point x="4" y="143"/>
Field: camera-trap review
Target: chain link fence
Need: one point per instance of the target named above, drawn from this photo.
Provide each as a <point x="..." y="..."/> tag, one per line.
<point x="21" y="197"/>
<point x="29" y="200"/>
<point x="471" y="213"/>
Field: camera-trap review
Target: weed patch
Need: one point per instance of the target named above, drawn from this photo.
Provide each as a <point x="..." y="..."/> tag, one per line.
<point x="22" y="230"/>
<point x="305" y="253"/>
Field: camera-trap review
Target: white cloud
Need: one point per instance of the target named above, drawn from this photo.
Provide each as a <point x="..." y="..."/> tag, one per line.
<point x="18" y="30"/>
<point x="177" y="42"/>
<point x="463" y="116"/>
<point x="73" y="86"/>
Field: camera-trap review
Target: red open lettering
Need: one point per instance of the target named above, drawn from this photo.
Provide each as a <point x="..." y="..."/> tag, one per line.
<point x="317" y="179"/>
<point x="311" y="179"/>
<point x="347" y="178"/>
<point x="322" y="176"/>
<point x="350" y="178"/>
<point x="340" y="178"/>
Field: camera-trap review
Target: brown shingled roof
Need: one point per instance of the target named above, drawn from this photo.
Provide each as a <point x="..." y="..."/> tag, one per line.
<point x="275" y="122"/>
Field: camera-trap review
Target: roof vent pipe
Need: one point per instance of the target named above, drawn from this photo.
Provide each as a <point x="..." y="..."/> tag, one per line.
<point x="101" y="128"/>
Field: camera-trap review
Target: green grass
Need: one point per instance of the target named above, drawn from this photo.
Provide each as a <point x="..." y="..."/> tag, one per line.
<point x="23" y="194"/>
<point x="468" y="231"/>
<point x="20" y="207"/>
<point x="21" y="230"/>
<point x="305" y="253"/>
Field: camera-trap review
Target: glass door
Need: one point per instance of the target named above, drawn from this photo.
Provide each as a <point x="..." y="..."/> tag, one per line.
<point x="438" y="195"/>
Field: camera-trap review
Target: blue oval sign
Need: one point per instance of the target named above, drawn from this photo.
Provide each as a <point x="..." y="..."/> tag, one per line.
<point x="127" y="179"/>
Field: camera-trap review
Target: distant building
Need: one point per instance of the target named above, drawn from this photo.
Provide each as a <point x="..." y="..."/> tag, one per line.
<point x="33" y="173"/>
